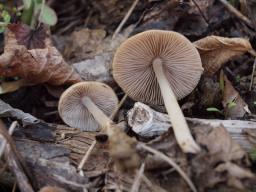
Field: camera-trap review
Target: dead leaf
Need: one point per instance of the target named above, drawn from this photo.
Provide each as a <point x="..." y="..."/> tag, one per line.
<point x="98" y="53"/>
<point x="96" y="69"/>
<point x="215" y="51"/>
<point x="220" y="144"/>
<point x="36" y="65"/>
<point x="235" y="174"/>
<point x="7" y="111"/>
<point x="116" y="181"/>
<point x="233" y="104"/>
<point x="6" y="87"/>
<point x="82" y="44"/>
<point x="223" y="161"/>
<point x="30" y="38"/>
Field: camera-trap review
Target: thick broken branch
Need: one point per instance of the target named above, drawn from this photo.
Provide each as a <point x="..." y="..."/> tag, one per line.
<point x="148" y="123"/>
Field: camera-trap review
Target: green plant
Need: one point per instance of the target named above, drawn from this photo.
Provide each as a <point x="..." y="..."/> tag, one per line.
<point x="252" y="154"/>
<point x="214" y="109"/>
<point x="238" y="78"/>
<point x="5" y="18"/>
<point x="231" y="104"/>
<point x="36" y="11"/>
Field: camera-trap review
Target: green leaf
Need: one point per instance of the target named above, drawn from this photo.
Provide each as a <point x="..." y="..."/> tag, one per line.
<point x="252" y="154"/>
<point x="27" y="14"/>
<point x="254" y="102"/>
<point x="6" y="17"/>
<point x="231" y="104"/>
<point x="47" y="15"/>
<point x="213" y="109"/>
<point x="27" y="3"/>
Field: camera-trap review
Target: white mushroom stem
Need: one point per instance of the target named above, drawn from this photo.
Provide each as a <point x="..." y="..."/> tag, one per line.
<point x="98" y="115"/>
<point x="180" y="126"/>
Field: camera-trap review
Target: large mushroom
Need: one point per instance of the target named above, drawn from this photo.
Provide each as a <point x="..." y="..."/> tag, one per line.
<point x="159" y="67"/>
<point x="87" y="105"/>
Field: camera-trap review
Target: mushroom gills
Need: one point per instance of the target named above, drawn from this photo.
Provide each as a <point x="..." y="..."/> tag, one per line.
<point x="98" y="115"/>
<point x="180" y="126"/>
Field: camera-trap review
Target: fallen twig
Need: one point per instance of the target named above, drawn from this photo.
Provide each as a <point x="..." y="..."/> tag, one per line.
<point x="85" y="158"/>
<point x="126" y="17"/>
<point x="201" y="12"/>
<point x="136" y="184"/>
<point x="148" y="122"/>
<point x="171" y="162"/>
<point x="112" y="116"/>
<point x="11" y="130"/>
<point x="252" y="75"/>
<point x="237" y="13"/>
<point x="16" y="163"/>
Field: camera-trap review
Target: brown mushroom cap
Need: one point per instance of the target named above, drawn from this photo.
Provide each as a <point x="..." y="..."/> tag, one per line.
<point x="133" y="71"/>
<point x="75" y="114"/>
<point x="52" y="189"/>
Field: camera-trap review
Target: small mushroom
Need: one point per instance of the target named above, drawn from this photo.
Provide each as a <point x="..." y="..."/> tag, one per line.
<point x="157" y="67"/>
<point x="87" y="105"/>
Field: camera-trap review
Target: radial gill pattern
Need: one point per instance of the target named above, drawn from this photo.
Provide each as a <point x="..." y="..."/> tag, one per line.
<point x="75" y="114"/>
<point x="133" y="71"/>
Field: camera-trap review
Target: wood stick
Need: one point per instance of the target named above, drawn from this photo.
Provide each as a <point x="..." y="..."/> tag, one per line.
<point x="147" y="122"/>
<point x="237" y="13"/>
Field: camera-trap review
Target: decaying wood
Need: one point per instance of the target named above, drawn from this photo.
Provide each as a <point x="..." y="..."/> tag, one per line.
<point x="148" y="123"/>
<point x="17" y="163"/>
<point x="50" y="165"/>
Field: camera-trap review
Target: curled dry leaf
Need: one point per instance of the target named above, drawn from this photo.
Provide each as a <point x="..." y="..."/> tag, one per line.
<point x="233" y="104"/>
<point x="36" y="65"/>
<point x="215" y="51"/>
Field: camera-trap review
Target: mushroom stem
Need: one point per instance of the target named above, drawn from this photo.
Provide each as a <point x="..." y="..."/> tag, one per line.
<point x="180" y="126"/>
<point x="98" y="115"/>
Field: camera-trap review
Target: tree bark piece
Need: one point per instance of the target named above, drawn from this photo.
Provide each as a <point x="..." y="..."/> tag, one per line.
<point x="147" y="122"/>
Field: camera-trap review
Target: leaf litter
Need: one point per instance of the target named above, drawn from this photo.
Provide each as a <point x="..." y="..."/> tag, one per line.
<point x="56" y="150"/>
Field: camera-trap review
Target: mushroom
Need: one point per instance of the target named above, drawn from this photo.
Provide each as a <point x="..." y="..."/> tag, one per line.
<point x="87" y="105"/>
<point x="52" y="189"/>
<point x="157" y="67"/>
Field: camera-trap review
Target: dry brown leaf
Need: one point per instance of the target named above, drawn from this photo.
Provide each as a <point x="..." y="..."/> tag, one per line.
<point x="224" y="161"/>
<point x="97" y="53"/>
<point x="215" y="51"/>
<point x="82" y="44"/>
<point x="233" y="104"/>
<point x="36" y="65"/>
<point x="30" y="38"/>
<point x="225" y="149"/>
<point x="6" y="87"/>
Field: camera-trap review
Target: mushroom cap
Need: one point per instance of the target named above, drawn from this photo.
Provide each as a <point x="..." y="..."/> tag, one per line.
<point x="75" y="114"/>
<point x="52" y="189"/>
<point x="133" y="70"/>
